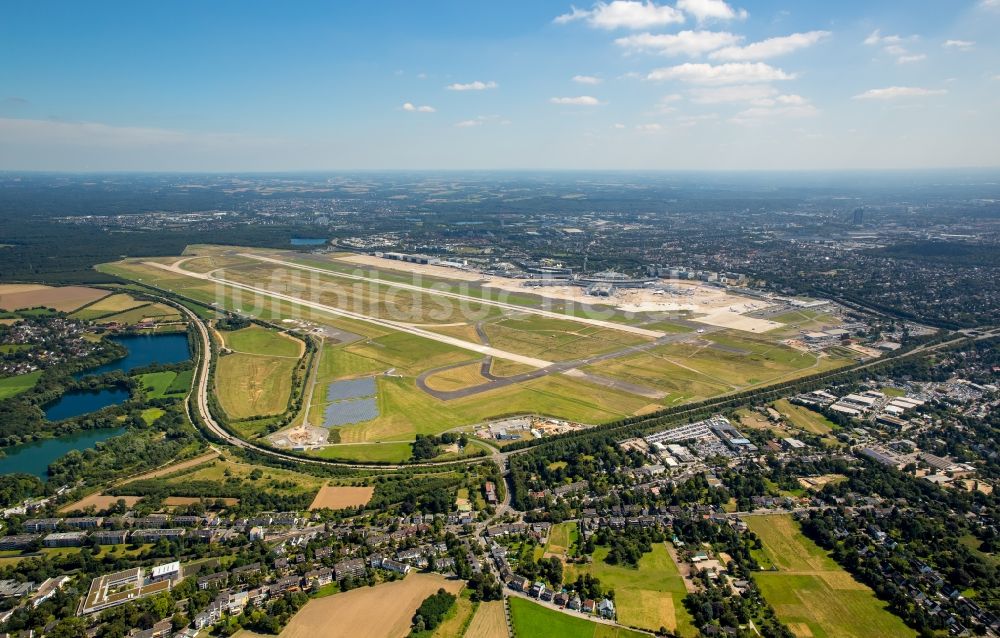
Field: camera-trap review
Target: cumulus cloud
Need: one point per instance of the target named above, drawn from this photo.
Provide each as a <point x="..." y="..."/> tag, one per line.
<point x="580" y="100"/>
<point x="412" y="108"/>
<point x="472" y="86"/>
<point x="624" y="14"/>
<point x="770" y="48"/>
<point x="730" y="73"/>
<point x="587" y="79"/>
<point x="652" y="127"/>
<point x="711" y="10"/>
<point x="692" y="43"/>
<point x="961" y="45"/>
<point x="468" y="123"/>
<point x="907" y="59"/>
<point x="896" y="92"/>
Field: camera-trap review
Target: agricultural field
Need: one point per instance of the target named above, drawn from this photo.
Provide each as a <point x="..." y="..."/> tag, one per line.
<point x="153" y="311"/>
<point x="63" y="299"/>
<point x="373" y="452"/>
<point x="112" y="304"/>
<point x="457" y="619"/>
<point x="532" y="620"/>
<point x="368" y="612"/>
<point x="338" y="497"/>
<point x="490" y="621"/>
<point x="12" y="386"/>
<point x="650" y="596"/>
<point x="810" y="593"/>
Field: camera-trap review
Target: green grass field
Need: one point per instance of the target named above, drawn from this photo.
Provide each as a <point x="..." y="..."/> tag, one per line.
<point x="150" y="415"/>
<point x="250" y="385"/>
<point x="256" y="339"/>
<point x="168" y="383"/>
<point x="804" y="418"/>
<point x="650" y="596"/>
<point x="811" y="593"/>
<point x="532" y="620"/>
<point x="377" y="452"/>
<point x="12" y="386"/>
<point x="561" y="538"/>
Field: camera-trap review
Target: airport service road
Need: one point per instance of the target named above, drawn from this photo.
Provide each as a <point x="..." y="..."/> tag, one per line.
<point x="384" y="323"/>
<point x="645" y="332"/>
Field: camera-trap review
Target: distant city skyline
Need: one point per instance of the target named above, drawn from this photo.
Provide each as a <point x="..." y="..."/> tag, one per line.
<point x="622" y="84"/>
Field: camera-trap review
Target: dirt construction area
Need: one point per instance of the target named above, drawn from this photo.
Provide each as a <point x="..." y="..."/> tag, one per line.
<point x="338" y="497"/>
<point x="384" y="611"/>
<point x="65" y="299"/>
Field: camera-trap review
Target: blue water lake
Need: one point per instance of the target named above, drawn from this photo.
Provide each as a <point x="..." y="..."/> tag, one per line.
<point x="144" y="350"/>
<point x="34" y="458"/>
<point x="77" y="402"/>
<point x="306" y="241"/>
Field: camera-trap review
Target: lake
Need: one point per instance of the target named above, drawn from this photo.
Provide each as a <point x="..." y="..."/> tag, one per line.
<point x="77" y="402"/>
<point x="34" y="458"/>
<point x="144" y="350"/>
<point x="305" y="241"/>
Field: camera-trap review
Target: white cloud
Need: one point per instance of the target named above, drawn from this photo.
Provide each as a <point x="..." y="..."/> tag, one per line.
<point x="727" y="94"/>
<point x="962" y="45"/>
<point x="106" y="136"/>
<point x="711" y="10"/>
<point x="770" y="48"/>
<point x="409" y="106"/>
<point x="624" y="14"/>
<point x="692" y="43"/>
<point x="730" y="73"/>
<point x="649" y="128"/>
<point x="756" y="114"/>
<point x="468" y="123"/>
<point x="894" y="92"/>
<point x="581" y="100"/>
<point x="587" y="79"/>
<point x="990" y="4"/>
<point x="472" y="86"/>
<point x="618" y="126"/>
<point x="893" y="45"/>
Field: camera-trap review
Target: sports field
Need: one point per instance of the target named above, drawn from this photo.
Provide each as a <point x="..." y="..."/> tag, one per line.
<point x="813" y="595"/>
<point x="383" y="611"/>
<point x="532" y="620"/>
<point x="650" y="596"/>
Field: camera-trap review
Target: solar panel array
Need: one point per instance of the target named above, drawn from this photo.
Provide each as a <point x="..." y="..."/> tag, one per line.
<point x="350" y="389"/>
<point x="352" y="401"/>
<point x="350" y="411"/>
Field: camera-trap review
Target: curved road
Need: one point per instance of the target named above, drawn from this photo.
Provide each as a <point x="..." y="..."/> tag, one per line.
<point x="201" y="403"/>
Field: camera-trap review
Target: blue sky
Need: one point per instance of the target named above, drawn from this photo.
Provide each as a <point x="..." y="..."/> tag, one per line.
<point x="686" y="84"/>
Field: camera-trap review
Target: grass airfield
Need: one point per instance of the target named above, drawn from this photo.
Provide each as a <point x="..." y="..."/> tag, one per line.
<point x="441" y="362"/>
